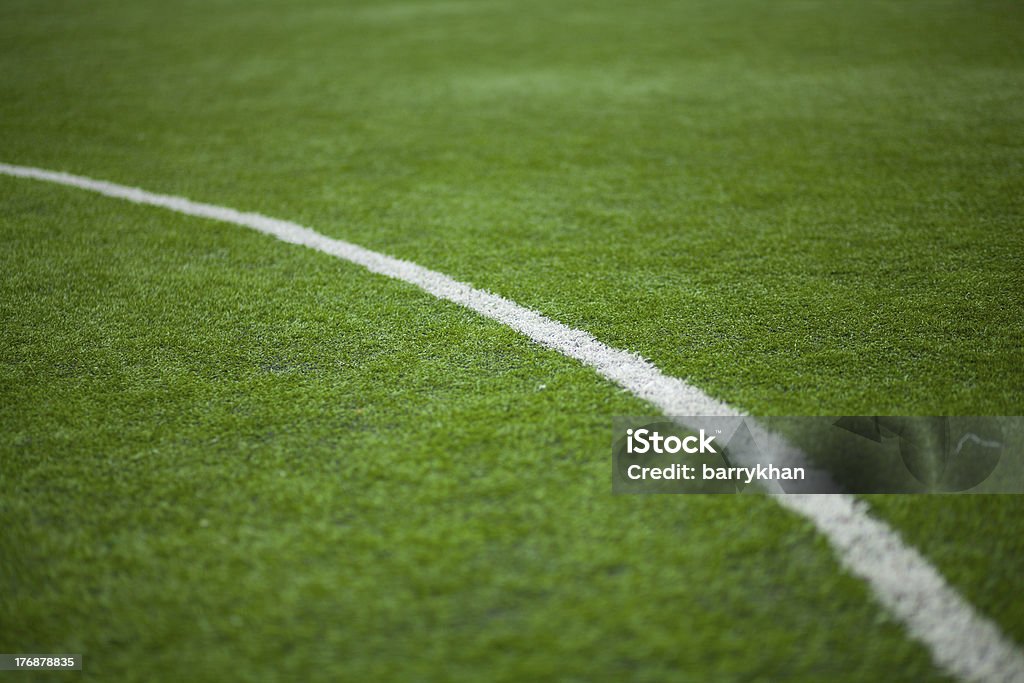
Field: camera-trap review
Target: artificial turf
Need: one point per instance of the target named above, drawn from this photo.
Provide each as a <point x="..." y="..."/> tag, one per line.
<point x="229" y="459"/>
<point x="225" y="456"/>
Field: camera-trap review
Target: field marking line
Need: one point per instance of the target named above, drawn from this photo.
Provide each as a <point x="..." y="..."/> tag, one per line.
<point x="961" y="641"/>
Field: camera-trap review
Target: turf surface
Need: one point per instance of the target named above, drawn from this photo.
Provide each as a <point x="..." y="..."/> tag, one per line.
<point x="217" y="447"/>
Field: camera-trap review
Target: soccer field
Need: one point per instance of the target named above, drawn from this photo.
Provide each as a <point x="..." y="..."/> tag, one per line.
<point x="228" y="457"/>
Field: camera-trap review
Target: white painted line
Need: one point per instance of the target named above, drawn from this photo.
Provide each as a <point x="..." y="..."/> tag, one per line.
<point x="961" y="641"/>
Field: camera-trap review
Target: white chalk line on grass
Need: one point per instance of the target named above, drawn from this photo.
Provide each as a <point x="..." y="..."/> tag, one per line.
<point x="960" y="640"/>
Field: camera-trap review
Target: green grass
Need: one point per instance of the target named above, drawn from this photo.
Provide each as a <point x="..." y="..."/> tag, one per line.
<point x="222" y="456"/>
<point x="291" y="468"/>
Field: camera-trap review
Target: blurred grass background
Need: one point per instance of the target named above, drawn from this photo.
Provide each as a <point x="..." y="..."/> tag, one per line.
<point x="801" y="207"/>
